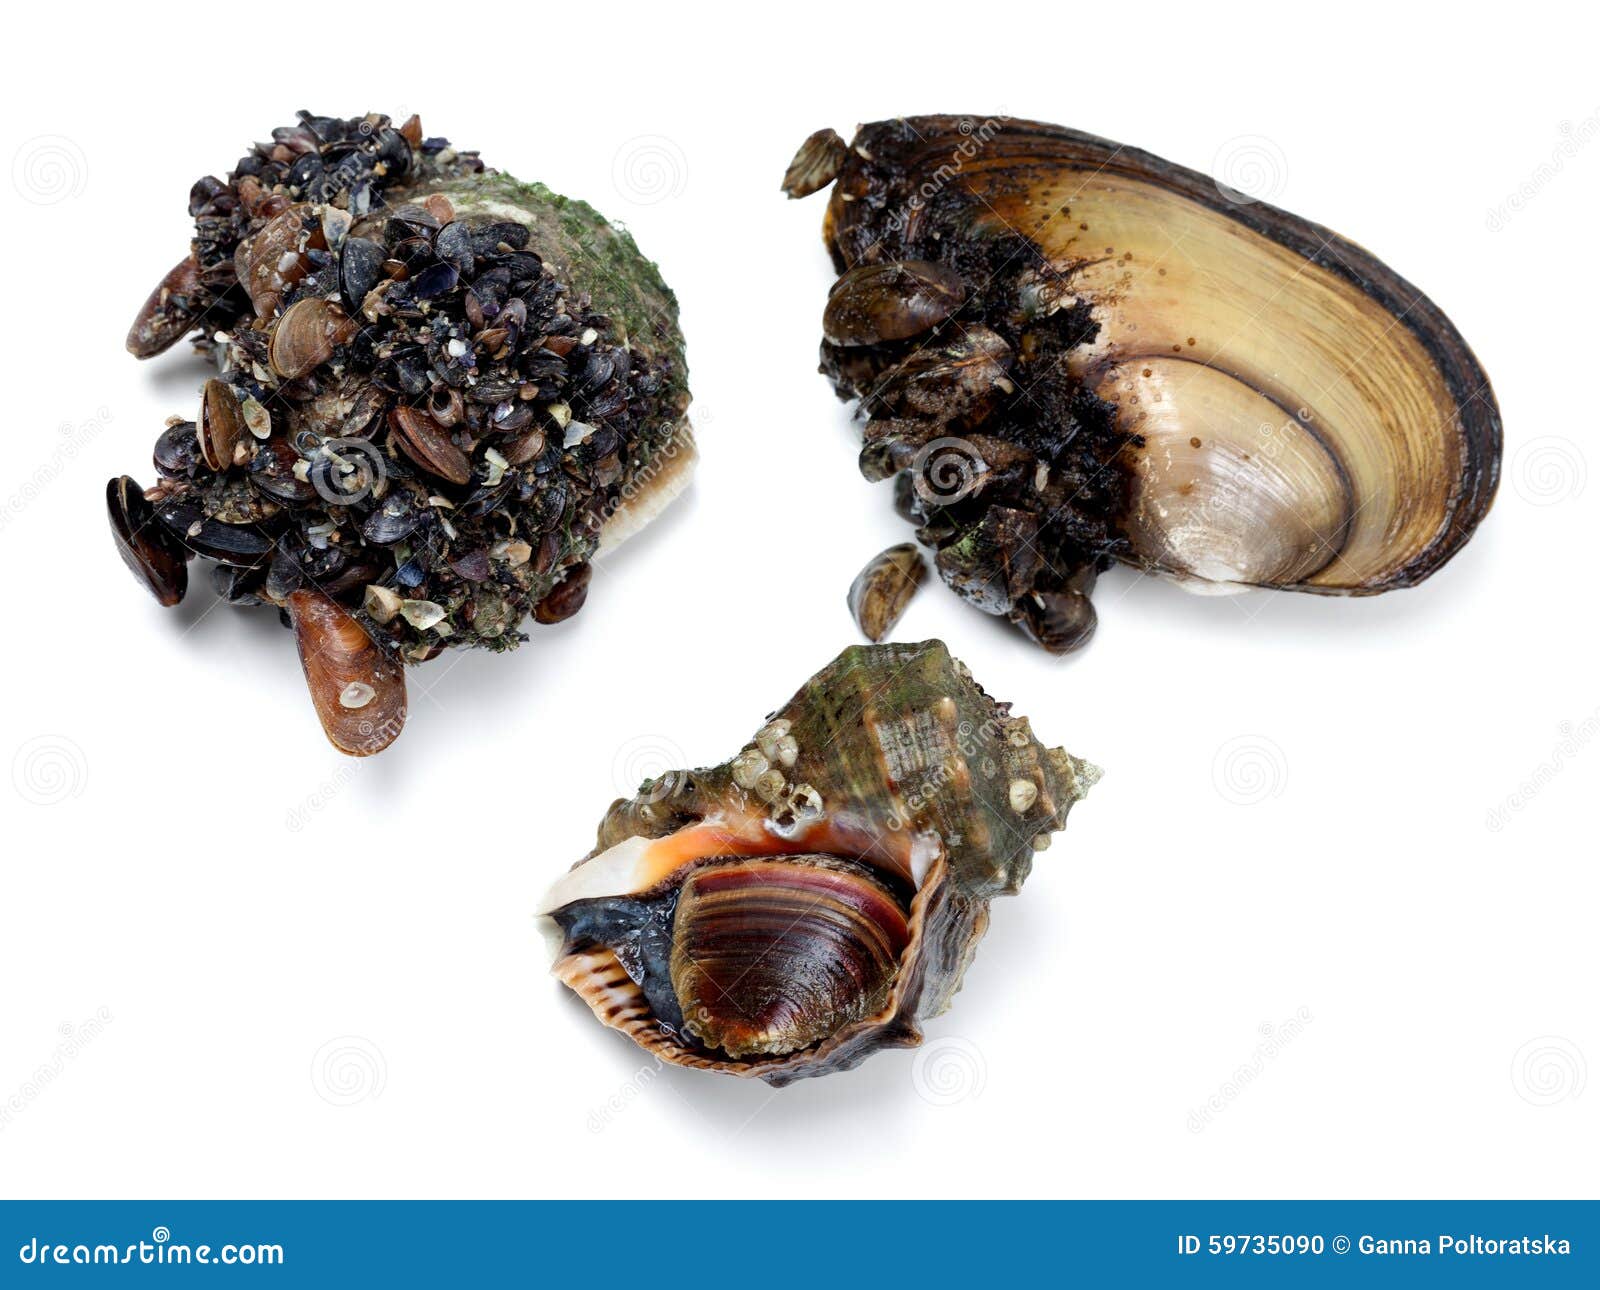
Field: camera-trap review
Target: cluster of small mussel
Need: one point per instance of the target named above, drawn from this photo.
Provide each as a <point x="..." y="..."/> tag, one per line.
<point x="419" y="423"/>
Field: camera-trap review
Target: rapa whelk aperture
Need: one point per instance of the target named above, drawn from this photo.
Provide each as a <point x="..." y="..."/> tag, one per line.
<point x="1110" y="361"/>
<point x="817" y="896"/>
<point x="440" y="392"/>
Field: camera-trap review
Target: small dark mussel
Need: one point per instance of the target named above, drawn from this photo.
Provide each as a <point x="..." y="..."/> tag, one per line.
<point x="155" y="559"/>
<point x="440" y="392"/>
<point x="1072" y="353"/>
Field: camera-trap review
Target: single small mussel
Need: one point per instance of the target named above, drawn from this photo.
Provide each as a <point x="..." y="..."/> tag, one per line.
<point x="440" y="393"/>
<point x="815" y="898"/>
<point x="884" y="588"/>
<point x="1073" y="353"/>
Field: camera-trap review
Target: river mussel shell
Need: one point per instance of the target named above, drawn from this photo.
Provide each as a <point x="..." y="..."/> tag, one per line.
<point x="1158" y="372"/>
<point x="810" y="901"/>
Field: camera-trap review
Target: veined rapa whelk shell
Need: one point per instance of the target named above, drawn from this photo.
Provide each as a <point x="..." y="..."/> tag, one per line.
<point x="813" y="899"/>
<point x="1074" y="352"/>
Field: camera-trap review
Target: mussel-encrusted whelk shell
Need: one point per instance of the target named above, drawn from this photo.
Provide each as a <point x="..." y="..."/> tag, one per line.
<point x="440" y="393"/>
<point x="358" y="690"/>
<point x="820" y="894"/>
<point x="1144" y="367"/>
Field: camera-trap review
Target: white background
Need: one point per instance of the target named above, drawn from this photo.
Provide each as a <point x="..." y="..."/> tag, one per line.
<point x="1299" y="808"/>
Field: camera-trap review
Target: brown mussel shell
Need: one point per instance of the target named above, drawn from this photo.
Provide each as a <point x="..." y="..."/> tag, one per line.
<point x="884" y="588"/>
<point x="357" y="689"/>
<point x="155" y="559"/>
<point x="815" y="898"/>
<point x="1156" y="369"/>
<point x="307" y="335"/>
<point x="220" y="425"/>
<point x="428" y="444"/>
<point x="170" y="311"/>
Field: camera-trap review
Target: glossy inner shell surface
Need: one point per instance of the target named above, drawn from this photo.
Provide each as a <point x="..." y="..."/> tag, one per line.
<point x="728" y="946"/>
<point x="1291" y="412"/>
